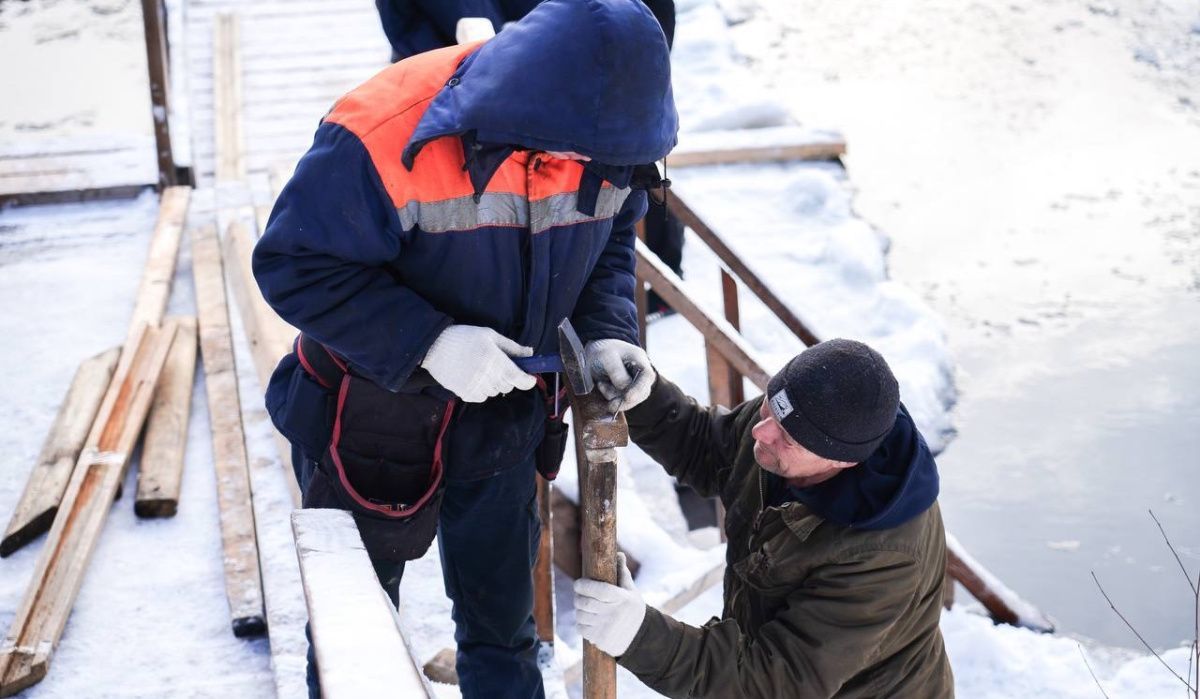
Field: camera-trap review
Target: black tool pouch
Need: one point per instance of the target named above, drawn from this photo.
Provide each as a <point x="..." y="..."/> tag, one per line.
<point x="549" y="455"/>
<point x="384" y="461"/>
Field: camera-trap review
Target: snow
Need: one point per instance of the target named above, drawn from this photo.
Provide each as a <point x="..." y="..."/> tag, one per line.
<point x="154" y="589"/>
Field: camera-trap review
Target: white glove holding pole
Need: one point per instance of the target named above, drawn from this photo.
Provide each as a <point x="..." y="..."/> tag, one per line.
<point x="475" y="363"/>
<point x="607" y="615"/>
<point x="622" y="372"/>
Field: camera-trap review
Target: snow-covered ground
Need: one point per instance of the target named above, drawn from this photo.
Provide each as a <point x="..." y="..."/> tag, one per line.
<point x="151" y="618"/>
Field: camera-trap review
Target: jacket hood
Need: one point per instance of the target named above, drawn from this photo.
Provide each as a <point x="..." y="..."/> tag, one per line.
<point x="896" y="483"/>
<point x="590" y="76"/>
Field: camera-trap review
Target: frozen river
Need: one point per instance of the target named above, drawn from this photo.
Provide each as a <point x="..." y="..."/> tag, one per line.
<point x="1037" y="166"/>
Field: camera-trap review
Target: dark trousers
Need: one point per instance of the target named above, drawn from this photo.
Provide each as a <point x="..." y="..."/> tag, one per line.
<point x="488" y="533"/>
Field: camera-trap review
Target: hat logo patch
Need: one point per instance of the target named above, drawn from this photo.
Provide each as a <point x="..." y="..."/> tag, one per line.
<point x="780" y="405"/>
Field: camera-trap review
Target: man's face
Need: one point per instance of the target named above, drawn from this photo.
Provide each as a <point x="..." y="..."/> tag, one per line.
<point x="777" y="452"/>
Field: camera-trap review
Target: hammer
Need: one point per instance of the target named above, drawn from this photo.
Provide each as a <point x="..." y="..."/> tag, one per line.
<point x="598" y="433"/>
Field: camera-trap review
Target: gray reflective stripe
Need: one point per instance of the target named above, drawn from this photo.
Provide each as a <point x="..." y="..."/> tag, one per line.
<point x="501" y="209"/>
<point x="559" y="210"/>
<point x="463" y="214"/>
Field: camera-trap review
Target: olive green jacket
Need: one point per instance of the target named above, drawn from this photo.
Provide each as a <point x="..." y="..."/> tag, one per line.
<point x="812" y="608"/>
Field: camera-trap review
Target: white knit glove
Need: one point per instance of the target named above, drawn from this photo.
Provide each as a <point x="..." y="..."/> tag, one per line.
<point x="615" y="364"/>
<point x="607" y="615"/>
<point x="474" y="363"/>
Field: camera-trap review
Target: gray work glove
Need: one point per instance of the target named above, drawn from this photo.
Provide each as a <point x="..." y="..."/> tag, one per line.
<point x="475" y="363"/>
<point x="622" y="372"/>
<point x="607" y="615"/>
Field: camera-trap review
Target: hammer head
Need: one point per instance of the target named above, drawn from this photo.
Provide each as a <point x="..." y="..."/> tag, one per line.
<point x="575" y="366"/>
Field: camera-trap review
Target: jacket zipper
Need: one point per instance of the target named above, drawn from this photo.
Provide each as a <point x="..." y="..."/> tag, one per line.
<point x="762" y="506"/>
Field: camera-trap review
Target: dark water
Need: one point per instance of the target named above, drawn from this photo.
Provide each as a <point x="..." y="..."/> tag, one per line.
<point x="1066" y="440"/>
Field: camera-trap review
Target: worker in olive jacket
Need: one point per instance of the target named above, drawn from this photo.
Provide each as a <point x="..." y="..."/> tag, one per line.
<point x="836" y="551"/>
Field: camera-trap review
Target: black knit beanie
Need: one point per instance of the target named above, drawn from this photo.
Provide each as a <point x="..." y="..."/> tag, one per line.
<point x="838" y="399"/>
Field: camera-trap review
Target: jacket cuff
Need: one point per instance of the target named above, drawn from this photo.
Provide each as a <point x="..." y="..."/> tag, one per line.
<point x="653" y="647"/>
<point x="664" y="396"/>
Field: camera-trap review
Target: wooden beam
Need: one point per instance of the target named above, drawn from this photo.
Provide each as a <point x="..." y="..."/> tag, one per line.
<point x="269" y="335"/>
<point x="160" y="471"/>
<point x="155" y="287"/>
<point x="227" y="98"/>
<point x="359" y="647"/>
<point x="243" y="583"/>
<point x="727" y="341"/>
<point x="600" y="434"/>
<point x="734" y="263"/>
<point x="543" y="573"/>
<point x="154" y="24"/>
<point x="773" y="144"/>
<point x="50" y="475"/>
<point x="39" y="621"/>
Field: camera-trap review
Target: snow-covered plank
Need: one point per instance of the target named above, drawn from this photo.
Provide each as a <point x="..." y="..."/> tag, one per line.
<point x="243" y="584"/>
<point x="269" y="336"/>
<point x="39" y="621"/>
<point x="160" y="470"/>
<point x="771" y="144"/>
<point x="360" y="649"/>
<point x="227" y="98"/>
<point x="155" y="288"/>
<point x="44" y="490"/>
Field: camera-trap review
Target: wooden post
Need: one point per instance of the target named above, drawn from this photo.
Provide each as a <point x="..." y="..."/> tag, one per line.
<point x="243" y="582"/>
<point x="600" y="433"/>
<point x="640" y="295"/>
<point x="160" y="471"/>
<point x="543" y="573"/>
<point x="48" y="480"/>
<point x="39" y="621"/>
<point x="155" y="27"/>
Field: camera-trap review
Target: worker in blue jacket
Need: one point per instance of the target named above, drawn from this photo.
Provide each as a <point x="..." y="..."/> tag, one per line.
<point x="451" y="211"/>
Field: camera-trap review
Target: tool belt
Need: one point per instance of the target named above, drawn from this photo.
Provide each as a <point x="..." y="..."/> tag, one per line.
<point x="549" y="455"/>
<point x="385" y="459"/>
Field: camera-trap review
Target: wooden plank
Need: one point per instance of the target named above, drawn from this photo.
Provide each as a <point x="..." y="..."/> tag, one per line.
<point x="155" y="287"/>
<point x="360" y="649"/>
<point x="269" y="335"/>
<point x="715" y="329"/>
<point x="39" y="621"/>
<point x="52" y="471"/>
<point x="773" y="144"/>
<point x="243" y="583"/>
<point x="154" y="24"/>
<point x="227" y="98"/>
<point x="160" y="471"/>
<point x="734" y="263"/>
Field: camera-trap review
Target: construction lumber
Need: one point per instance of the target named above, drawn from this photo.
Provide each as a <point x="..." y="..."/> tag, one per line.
<point x="543" y="574"/>
<point x="155" y="288"/>
<point x="774" y="144"/>
<point x="270" y="337"/>
<point x="160" y="471"/>
<point x="734" y="263"/>
<point x="359" y="647"/>
<point x="227" y="98"/>
<point x="154" y="23"/>
<point x="716" y="330"/>
<point x="599" y="433"/>
<point x="48" y="480"/>
<point x="243" y="582"/>
<point x="39" y="621"/>
<point x="565" y="521"/>
<point x="1002" y="604"/>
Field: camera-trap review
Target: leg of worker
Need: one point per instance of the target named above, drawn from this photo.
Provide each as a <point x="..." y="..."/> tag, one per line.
<point x="488" y="537"/>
